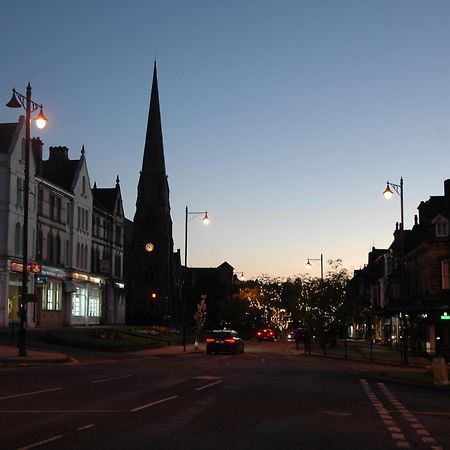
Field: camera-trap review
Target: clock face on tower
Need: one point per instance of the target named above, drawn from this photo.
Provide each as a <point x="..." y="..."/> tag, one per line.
<point x="149" y="247"/>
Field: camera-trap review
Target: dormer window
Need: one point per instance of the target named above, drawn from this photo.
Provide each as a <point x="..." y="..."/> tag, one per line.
<point x="441" y="226"/>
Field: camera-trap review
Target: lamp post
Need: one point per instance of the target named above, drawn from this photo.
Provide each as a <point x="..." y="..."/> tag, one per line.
<point x="24" y="101"/>
<point x="398" y="188"/>
<point x="205" y="220"/>
<point x="309" y="265"/>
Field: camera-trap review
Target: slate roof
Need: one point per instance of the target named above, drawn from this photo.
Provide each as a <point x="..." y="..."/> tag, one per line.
<point x="60" y="172"/>
<point x="105" y="198"/>
<point x="6" y="135"/>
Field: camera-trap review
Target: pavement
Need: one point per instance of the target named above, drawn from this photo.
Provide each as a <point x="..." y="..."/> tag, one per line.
<point x="376" y="362"/>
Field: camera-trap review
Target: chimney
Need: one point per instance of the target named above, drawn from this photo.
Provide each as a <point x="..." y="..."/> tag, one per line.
<point x="447" y="188"/>
<point x="36" y="148"/>
<point x="59" y="153"/>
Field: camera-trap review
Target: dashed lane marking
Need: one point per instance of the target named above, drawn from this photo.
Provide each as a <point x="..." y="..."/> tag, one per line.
<point x="37" y="444"/>
<point x="43" y="391"/>
<point x="208" y="385"/>
<point x="104" y="380"/>
<point x="148" y="405"/>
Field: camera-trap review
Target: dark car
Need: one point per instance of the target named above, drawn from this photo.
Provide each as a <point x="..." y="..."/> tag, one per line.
<point x="265" y="334"/>
<point x="226" y="341"/>
<point x="298" y="335"/>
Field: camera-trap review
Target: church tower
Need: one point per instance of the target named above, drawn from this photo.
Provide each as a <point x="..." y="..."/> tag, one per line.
<point x="150" y="289"/>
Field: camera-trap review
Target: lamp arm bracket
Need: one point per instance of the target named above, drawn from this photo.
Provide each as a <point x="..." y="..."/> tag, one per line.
<point x="23" y="101"/>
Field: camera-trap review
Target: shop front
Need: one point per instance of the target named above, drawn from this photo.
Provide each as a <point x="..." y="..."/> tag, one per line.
<point x="87" y="299"/>
<point x="50" y="293"/>
<point x="14" y="291"/>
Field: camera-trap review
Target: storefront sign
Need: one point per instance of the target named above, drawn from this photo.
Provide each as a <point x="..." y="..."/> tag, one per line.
<point x="53" y="272"/>
<point x="445" y="316"/>
<point x="18" y="267"/>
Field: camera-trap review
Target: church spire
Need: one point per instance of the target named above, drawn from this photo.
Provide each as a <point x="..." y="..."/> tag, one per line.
<point x="152" y="274"/>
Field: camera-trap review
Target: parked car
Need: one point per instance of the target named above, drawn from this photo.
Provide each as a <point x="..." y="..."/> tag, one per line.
<point x="226" y="341"/>
<point x="265" y="334"/>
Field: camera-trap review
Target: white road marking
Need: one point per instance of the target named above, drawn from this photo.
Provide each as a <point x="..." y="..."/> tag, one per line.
<point x="208" y="385"/>
<point x="390" y="424"/>
<point x="207" y="377"/>
<point x="31" y="393"/>
<point x="139" y="408"/>
<point x="412" y="421"/>
<point x="62" y="411"/>
<point x="86" y="427"/>
<point x="46" y="441"/>
<point x="104" y="380"/>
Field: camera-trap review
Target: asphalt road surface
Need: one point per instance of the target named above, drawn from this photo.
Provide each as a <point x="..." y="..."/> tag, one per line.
<point x="266" y="398"/>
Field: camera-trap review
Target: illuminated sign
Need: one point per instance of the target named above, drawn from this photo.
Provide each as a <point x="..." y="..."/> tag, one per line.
<point x="18" y="267"/>
<point x="445" y="316"/>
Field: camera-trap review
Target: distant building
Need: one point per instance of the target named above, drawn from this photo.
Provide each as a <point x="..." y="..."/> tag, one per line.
<point x="422" y="304"/>
<point x="150" y="272"/>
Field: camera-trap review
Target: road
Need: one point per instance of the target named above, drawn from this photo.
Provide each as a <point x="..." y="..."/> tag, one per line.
<point x="267" y="398"/>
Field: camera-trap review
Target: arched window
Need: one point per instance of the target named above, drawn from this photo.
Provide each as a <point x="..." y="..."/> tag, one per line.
<point x="68" y="253"/>
<point x="93" y="269"/>
<point x="58" y="249"/>
<point x="50" y="247"/>
<point x="82" y="256"/>
<point x="86" y="257"/>
<point x="40" y="240"/>
<point x="78" y="255"/>
<point x="18" y="239"/>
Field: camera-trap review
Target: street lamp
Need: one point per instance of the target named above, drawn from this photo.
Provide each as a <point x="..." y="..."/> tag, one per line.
<point x="24" y="101"/>
<point x="205" y="221"/>
<point x="398" y="188"/>
<point x="309" y="265"/>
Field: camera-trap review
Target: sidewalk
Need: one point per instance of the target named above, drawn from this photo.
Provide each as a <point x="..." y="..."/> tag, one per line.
<point x="9" y="354"/>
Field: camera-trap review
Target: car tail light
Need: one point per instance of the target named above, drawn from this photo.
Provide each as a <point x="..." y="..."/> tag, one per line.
<point x="210" y="340"/>
<point x="230" y="341"/>
<point x="259" y="333"/>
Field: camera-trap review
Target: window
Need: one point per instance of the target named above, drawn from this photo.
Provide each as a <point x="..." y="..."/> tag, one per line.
<point x="51" y="300"/>
<point x="58" y="210"/>
<point x="52" y="206"/>
<point x="83" y="185"/>
<point x="117" y="266"/>
<point x="40" y="201"/>
<point x="58" y="249"/>
<point x="82" y="256"/>
<point x="79" y="217"/>
<point x="118" y="235"/>
<point x="94" y="302"/>
<point x="50" y="249"/>
<point x="441" y="228"/>
<point x="40" y="240"/>
<point x="18" y="239"/>
<point x="445" y="270"/>
<point x="19" y="197"/>
<point x="68" y="253"/>
<point x="78" y="255"/>
<point x="68" y="214"/>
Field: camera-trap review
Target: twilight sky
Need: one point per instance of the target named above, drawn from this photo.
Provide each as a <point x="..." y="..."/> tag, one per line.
<point x="282" y="119"/>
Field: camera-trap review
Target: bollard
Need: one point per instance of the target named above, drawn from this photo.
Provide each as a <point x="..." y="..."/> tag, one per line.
<point x="440" y="371"/>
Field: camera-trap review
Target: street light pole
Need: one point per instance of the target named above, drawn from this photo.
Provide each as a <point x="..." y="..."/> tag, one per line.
<point x="309" y="265"/>
<point x="205" y="220"/>
<point x="17" y="101"/>
<point x="398" y="188"/>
